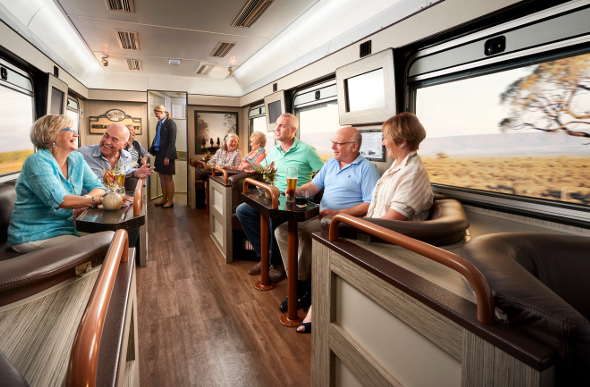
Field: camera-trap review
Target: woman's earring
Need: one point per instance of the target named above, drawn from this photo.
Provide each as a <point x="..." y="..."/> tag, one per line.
<point x="53" y="145"/>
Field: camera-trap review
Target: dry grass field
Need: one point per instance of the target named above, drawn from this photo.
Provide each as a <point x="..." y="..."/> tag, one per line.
<point x="564" y="178"/>
<point x="13" y="161"/>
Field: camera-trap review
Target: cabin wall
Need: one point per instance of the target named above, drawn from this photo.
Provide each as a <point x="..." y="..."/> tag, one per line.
<point x="99" y="107"/>
<point x="20" y="47"/>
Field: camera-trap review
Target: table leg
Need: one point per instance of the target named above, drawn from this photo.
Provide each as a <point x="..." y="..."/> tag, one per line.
<point x="264" y="283"/>
<point x="293" y="317"/>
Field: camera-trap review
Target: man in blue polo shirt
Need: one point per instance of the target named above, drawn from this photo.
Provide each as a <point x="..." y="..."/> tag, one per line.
<point x="348" y="180"/>
<point x="289" y="153"/>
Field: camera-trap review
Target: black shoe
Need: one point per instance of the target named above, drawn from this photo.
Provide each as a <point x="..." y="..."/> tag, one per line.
<point x="302" y="303"/>
<point x="284" y="307"/>
<point x="305" y="301"/>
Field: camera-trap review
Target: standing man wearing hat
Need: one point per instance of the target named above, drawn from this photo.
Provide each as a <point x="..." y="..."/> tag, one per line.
<point x="164" y="148"/>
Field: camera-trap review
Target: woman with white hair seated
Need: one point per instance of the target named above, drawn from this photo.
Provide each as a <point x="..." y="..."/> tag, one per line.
<point x="48" y="190"/>
<point x="229" y="156"/>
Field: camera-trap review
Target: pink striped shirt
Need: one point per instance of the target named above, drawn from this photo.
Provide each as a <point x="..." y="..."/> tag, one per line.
<point x="405" y="189"/>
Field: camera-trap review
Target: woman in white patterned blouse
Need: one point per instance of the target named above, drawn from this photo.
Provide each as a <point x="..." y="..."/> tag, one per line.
<point x="229" y="156"/>
<point x="403" y="192"/>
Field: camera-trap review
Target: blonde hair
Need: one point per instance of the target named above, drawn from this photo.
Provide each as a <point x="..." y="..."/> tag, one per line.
<point x="162" y="108"/>
<point x="260" y="138"/>
<point x="405" y="127"/>
<point x="45" y="130"/>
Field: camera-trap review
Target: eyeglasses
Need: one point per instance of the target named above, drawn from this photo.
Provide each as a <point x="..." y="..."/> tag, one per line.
<point x="340" y="144"/>
<point x="114" y="140"/>
<point x="74" y="131"/>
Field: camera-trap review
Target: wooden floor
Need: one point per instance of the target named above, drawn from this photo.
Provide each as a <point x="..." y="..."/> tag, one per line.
<point x="201" y="321"/>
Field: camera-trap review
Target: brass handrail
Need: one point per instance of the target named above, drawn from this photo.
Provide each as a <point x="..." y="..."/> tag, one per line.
<point x="273" y="193"/>
<point x="83" y="362"/>
<point x="223" y="171"/>
<point x="485" y="298"/>
<point x="138" y="197"/>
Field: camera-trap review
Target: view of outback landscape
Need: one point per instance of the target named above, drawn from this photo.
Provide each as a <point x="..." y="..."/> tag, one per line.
<point x="523" y="132"/>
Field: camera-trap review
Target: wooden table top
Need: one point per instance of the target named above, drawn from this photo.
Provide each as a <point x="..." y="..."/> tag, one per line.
<point x="286" y="211"/>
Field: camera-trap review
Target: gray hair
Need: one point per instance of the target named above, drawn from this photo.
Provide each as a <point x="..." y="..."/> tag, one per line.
<point x="293" y="120"/>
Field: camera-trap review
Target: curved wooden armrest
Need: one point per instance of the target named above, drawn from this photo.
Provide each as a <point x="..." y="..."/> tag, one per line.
<point x="274" y="193"/>
<point x="485" y="298"/>
<point x="199" y="163"/>
<point x="223" y="171"/>
<point x="82" y="366"/>
<point x="138" y="197"/>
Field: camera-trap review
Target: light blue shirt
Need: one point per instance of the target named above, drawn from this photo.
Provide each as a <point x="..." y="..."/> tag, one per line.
<point x="346" y="187"/>
<point x="97" y="162"/>
<point x="40" y="189"/>
<point x="156" y="143"/>
<point x="301" y="155"/>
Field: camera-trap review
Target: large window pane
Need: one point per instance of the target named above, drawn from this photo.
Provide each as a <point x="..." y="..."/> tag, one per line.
<point x="16" y="144"/>
<point x="317" y="125"/>
<point x="522" y="132"/>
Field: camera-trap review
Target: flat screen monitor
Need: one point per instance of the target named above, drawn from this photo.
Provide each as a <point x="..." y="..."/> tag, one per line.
<point x="275" y="104"/>
<point x="274" y="111"/>
<point x="57" y="101"/>
<point x="366" y="90"/>
<point x="57" y="92"/>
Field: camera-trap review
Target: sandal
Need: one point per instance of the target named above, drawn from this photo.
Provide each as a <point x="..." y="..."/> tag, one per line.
<point x="306" y="328"/>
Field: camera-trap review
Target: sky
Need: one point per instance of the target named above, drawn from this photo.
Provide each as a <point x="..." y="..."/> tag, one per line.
<point x="16" y="111"/>
<point x="475" y="107"/>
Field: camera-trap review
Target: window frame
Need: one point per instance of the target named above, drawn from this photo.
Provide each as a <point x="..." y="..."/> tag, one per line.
<point x="545" y="209"/>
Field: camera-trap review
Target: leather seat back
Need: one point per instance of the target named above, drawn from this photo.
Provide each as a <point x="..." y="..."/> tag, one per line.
<point x="541" y="282"/>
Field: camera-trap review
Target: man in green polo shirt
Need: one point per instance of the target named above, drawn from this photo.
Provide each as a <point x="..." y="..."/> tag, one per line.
<point x="289" y="153"/>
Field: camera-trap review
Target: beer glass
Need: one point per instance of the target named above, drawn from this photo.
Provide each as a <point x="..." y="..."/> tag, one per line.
<point x="291" y="184"/>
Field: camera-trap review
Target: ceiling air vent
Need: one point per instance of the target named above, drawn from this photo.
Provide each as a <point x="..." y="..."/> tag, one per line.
<point x="128" y="40"/>
<point x="205" y="68"/>
<point x="222" y="49"/>
<point x="120" y="5"/>
<point x="251" y="13"/>
<point x="134" y="64"/>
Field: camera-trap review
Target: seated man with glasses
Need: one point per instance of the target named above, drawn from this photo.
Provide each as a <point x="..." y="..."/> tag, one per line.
<point x="348" y="180"/>
<point x="110" y="154"/>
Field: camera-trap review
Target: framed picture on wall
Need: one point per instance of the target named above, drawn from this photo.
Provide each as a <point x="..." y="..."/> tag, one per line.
<point x="211" y="128"/>
<point x="372" y="147"/>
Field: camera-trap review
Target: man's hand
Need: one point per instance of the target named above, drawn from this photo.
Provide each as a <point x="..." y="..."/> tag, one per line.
<point x="127" y="200"/>
<point x="166" y="161"/>
<point x="327" y="212"/>
<point x="143" y="172"/>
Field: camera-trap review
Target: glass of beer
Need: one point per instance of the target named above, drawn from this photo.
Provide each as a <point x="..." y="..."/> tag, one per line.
<point x="291" y="183"/>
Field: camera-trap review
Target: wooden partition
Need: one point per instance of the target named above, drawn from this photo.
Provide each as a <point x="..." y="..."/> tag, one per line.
<point x="384" y="315"/>
<point x="220" y="213"/>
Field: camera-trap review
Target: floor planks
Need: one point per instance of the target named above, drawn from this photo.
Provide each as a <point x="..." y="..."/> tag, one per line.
<point x="201" y="321"/>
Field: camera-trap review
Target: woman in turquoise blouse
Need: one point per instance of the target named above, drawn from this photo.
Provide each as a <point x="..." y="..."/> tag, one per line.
<point x="49" y="187"/>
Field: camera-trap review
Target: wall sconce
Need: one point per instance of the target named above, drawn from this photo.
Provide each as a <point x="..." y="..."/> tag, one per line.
<point x="229" y="70"/>
<point x="105" y="60"/>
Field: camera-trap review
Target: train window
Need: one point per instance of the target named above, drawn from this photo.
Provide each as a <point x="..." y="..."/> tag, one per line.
<point x="517" y="128"/>
<point x="16" y="94"/>
<point x="257" y="123"/>
<point x="317" y="110"/>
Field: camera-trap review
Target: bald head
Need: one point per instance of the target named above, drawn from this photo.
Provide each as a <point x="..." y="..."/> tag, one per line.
<point x="114" y="139"/>
<point x="350" y="138"/>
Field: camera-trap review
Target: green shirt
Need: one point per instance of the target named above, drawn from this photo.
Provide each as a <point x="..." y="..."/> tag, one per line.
<point x="301" y="155"/>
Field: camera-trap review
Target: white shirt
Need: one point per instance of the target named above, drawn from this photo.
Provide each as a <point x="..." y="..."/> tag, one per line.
<point x="404" y="188"/>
